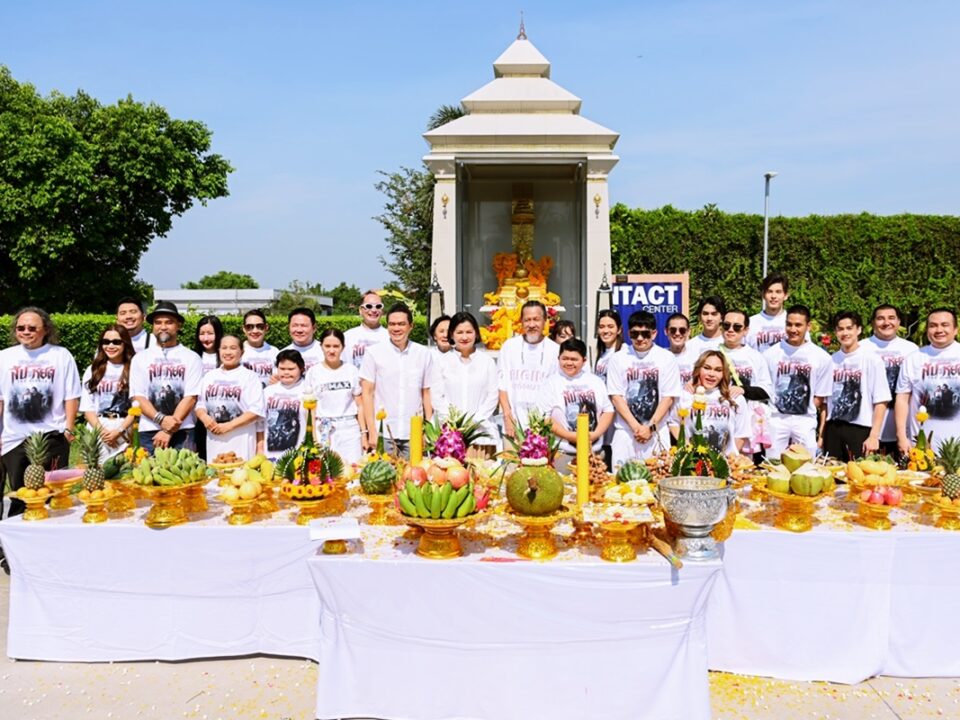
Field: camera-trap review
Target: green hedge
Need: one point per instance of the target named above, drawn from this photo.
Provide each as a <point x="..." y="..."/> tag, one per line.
<point x="79" y="333"/>
<point x="840" y="262"/>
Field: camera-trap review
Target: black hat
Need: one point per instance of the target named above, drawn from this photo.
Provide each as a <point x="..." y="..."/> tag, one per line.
<point x="165" y="307"/>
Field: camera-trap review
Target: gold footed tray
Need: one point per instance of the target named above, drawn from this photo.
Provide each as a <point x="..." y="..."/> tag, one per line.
<point x="242" y="511"/>
<point x="796" y="511"/>
<point x="267" y="499"/>
<point x="334" y="504"/>
<point x="439" y="540"/>
<point x="223" y="467"/>
<point x="168" y="509"/>
<point x="96" y="510"/>
<point x="724" y="529"/>
<point x="536" y="542"/>
<point x="379" y="509"/>
<point x="615" y="545"/>
<point x="873" y="515"/>
<point x="123" y="498"/>
<point x="926" y="495"/>
<point x="194" y="498"/>
<point x="36" y="506"/>
<point x="61" y="498"/>
<point x="949" y="513"/>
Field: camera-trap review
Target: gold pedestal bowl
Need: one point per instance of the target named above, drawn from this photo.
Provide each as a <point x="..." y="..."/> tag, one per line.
<point x="96" y="508"/>
<point x="439" y="540"/>
<point x="537" y="542"/>
<point x="123" y="500"/>
<point x="874" y="515"/>
<point x="796" y="511"/>
<point x="615" y="545"/>
<point x="61" y="499"/>
<point x="36" y="506"/>
<point x="379" y="508"/>
<point x="241" y="511"/>
<point x="949" y="513"/>
<point x="168" y="508"/>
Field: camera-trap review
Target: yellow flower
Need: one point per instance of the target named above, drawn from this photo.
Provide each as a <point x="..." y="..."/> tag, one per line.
<point x="310" y="404"/>
<point x="699" y="406"/>
<point x="683" y="412"/>
<point x="135" y="410"/>
<point x="702" y="449"/>
<point x="381" y="414"/>
<point x="923" y="416"/>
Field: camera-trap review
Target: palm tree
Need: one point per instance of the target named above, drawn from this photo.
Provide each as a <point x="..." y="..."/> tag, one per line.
<point x="443" y="115"/>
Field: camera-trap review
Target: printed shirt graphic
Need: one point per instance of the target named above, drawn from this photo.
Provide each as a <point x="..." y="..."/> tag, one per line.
<point x="799" y="375"/>
<point x="766" y="331"/>
<point x="261" y="360"/>
<point x="524" y="368"/>
<point x="312" y="354"/>
<point x="34" y="385"/>
<point x="932" y="377"/>
<point x="108" y="398"/>
<point x="165" y="376"/>
<point x="685" y="362"/>
<point x="698" y="345"/>
<point x="358" y="339"/>
<point x="859" y="382"/>
<point x="601" y="368"/>
<point x="642" y="381"/>
<point x="723" y="422"/>
<point x="566" y="397"/>
<point x="228" y="394"/>
<point x="285" y="419"/>
<point x="336" y="390"/>
<point x="892" y="353"/>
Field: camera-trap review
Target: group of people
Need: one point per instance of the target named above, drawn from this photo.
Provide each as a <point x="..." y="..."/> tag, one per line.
<point x="767" y="385"/>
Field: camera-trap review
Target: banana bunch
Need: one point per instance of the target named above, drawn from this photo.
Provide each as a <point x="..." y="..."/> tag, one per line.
<point x="170" y="467"/>
<point x="436" y="502"/>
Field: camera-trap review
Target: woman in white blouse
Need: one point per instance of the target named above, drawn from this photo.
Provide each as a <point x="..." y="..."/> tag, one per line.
<point x="469" y="378"/>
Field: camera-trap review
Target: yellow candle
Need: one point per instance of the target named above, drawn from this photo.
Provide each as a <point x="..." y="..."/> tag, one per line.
<point x="583" y="459"/>
<point x="416" y="439"/>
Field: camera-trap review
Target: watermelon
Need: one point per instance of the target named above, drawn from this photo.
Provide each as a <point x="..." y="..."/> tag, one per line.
<point x="377" y="477"/>
<point x="633" y="470"/>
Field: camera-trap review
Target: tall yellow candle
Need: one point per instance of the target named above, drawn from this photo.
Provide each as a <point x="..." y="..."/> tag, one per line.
<point x="583" y="459"/>
<point x="416" y="439"/>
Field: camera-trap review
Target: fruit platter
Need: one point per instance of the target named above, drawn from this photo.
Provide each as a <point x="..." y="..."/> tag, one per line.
<point x="166" y="478"/>
<point x="796" y="484"/>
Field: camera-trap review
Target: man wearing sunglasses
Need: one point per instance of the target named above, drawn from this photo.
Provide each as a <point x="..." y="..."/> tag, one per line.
<point x="368" y="333"/>
<point x="258" y="356"/>
<point x="752" y="376"/>
<point x="678" y="332"/>
<point x="643" y="383"/>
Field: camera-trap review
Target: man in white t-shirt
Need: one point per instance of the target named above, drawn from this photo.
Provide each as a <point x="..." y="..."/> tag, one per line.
<point x="165" y="379"/>
<point x="259" y="356"/>
<point x="678" y="332"/>
<point x="710" y="312"/>
<point x="892" y="350"/>
<point x="931" y="377"/>
<point x="860" y="395"/>
<point x="302" y="326"/>
<point x="369" y="332"/>
<point x="767" y="328"/>
<point x="643" y="383"/>
<point x="752" y="376"/>
<point x="130" y="316"/>
<point x="39" y="392"/>
<point x="525" y="362"/>
<point x="802" y="382"/>
<point x="396" y="377"/>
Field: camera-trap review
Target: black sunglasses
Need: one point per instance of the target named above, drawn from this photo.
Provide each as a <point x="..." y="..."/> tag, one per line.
<point x="27" y="328"/>
<point x="254" y="326"/>
<point x="677" y="330"/>
<point x="108" y="341"/>
<point x="737" y="327"/>
<point x="645" y="334"/>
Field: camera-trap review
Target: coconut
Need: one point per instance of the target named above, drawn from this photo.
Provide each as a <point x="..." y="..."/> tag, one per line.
<point x="795" y="456"/>
<point x="809" y="479"/>
<point x="778" y="480"/>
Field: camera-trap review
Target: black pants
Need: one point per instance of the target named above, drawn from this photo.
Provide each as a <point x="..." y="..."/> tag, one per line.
<point x="843" y="440"/>
<point x="15" y="463"/>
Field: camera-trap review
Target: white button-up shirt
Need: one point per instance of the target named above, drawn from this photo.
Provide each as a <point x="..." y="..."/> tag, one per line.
<point x="399" y="378"/>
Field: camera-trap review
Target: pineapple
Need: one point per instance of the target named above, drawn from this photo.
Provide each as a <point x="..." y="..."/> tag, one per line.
<point x="950" y="459"/>
<point x="37" y="448"/>
<point x="90" y="447"/>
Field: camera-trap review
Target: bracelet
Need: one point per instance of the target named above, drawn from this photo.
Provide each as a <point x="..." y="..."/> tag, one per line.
<point x="158" y="418"/>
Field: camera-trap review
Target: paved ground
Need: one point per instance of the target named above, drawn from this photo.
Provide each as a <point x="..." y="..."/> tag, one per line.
<point x="270" y="688"/>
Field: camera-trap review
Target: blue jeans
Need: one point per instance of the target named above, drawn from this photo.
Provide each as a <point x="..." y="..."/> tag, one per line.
<point x="180" y="439"/>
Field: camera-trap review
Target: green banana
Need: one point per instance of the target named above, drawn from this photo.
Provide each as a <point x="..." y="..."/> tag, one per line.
<point x="418" y="502"/>
<point x="468" y="506"/>
<point x="454" y="502"/>
<point x="406" y="505"/>
<point x="436" y="506"/>
<point x="445" y="492"/>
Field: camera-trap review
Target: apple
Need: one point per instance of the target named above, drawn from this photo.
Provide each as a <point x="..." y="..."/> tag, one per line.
<point x="416" y="474"/>
<point x="865" y="495"/>
<point x="437" y="475"/>
<point x="892" y="495"/>
<point x="458" y="476"/>
<point x="876" y="497"/>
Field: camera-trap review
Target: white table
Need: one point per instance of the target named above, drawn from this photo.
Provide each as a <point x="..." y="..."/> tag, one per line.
<point x="121" y="591"/>
<point x="414" y="639"/>
<point x="838" y="603"/>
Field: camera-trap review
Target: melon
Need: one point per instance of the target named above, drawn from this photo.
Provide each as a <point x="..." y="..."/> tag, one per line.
<point x="535" y="490"/>
<point x="809" y="480"/>
<point x="795" y="456"/>
<point x="633" y="470"/>
<point x="377" y="477"/>
<point x="779" y="480"/>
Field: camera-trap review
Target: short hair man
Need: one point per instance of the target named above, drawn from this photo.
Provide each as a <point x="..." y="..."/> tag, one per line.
<point x="678" y="334"/>
<point x="710" y="312"/>
<point x="892" y="349"/>
<point x="368" y="333"/>
<point x="767" y="328"/>
<point x="130" y="316"/>
<point x="302" y="326"/>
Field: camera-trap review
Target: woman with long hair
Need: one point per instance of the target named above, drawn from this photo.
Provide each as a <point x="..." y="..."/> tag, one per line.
<point x="206" y="344"/>
<point x="609" y="340"/>
<point x="105" y="389"/>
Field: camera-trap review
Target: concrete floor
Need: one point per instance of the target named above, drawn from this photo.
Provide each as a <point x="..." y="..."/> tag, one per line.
<point x="270" y="688"/>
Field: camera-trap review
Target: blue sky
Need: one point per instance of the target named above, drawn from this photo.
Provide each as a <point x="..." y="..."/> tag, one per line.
<point x="854" y="103"/>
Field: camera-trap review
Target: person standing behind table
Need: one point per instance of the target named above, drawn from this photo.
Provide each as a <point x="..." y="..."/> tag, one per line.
<point x="678" y="330"/>
<point x="130" y="316"/>
<point x="397" y="377"/>
<point x="767" y="328"/>
<point x="206" y="344"/>
<point x="609" y="341"/>
<point x="710" y="311"/>
<point x="467" y="380"/>
<point x="892" y="350"/>
<point x="860" y="395"/>
<point x="440" y="332"/>
<point x="230" y="404"/>
<point x="931" y="377"/>
<point x="643" y="383"/>
<point x="258" y="355"/>
<point x="302" y="325"/>
<point x="563" y="330"/>
<point x="105" y="390"/>
<point x="165" y="379"/>
<point x="526" y="361"/>
<point x="39" y="392"/>
<point x="572" y="391"/>
<point x="749" y="377"/>
<point x="284" y="424"/>
<point x="368" y="333"/>
<point x="336" y="385"/>
<point x="802" y="382"/>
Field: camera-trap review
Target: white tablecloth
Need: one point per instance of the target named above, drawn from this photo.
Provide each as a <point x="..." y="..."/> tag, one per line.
<point x="838" y="603"/>
<point x="414" y="639"/>
<point x="121" y="591"/>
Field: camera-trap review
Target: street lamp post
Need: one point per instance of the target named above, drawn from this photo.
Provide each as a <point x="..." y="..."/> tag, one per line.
<point x="767" y="177"/>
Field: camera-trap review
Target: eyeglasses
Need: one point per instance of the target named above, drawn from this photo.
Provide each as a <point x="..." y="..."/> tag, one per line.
<point x="109" y="341"/>
<point x="372" y="306"/>
<point x="27" y="328"/>
<point x="645" y="334"/>
<point x="737" y="327"/>
<point x="254" y="326"/>
<point x="678" y="330"/>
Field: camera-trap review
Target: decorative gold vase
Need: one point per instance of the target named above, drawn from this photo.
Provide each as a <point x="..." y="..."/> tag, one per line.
<point x="379" y="509"/>
<point x="874" y="516"/>
<point x="36" y="507"/>
<point x="167" y="509"/>
<point x="96" y="510"/>
<point x="241" y="511"/>
<point x="439" y="540"/>
<point x="796" y="511"/>
<point x="536" y="542"/>
<point x="615" y="543"/>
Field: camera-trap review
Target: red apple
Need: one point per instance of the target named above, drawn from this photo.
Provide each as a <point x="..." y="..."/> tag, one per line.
<point x="415" y="473"/>
<point x="437" y="475"/>
<point x="865" y="495"/>
<point x="893" y="495"/>
<point x="876" y="497"/>
<point x="458" y="476"/>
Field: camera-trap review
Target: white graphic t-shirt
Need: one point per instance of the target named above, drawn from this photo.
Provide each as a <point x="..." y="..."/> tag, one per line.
<point x="260" y="360"/>
<point x="799" y="375"/>
<point x="34" y="385"/>
<point x="859" y="382"/>
<point x="723" y="421"/>
<point x="766" y="330"/>
<point x="285" y="419"/>
<point x="336" y="390"/>
<point x="108" y="398"/>
<point x="932" y="377"/>
<point x="358" y="339"/>
<point x="643" y="380"/>
<point x="523" y="370"/>
<point x="685" y="362"/>
<point x="698" y="345"/>
<point x="600" y="370"/>
<point x="208" y="362"/>
<point x="165" y="376"/>
<point x="566" y="397"/>
<point x="226" y="395"/>
<point x="751" y="367"/>
<point x="312" y="354"/>
<point x="892" y="353"/>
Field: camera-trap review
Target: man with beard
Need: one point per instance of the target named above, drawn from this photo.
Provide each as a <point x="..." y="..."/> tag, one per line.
<point x="169" y="375"/>
<point x="525" y="363"/>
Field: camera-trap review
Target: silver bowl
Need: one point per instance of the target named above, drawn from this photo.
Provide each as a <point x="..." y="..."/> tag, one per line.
<point x="695" y="505"/>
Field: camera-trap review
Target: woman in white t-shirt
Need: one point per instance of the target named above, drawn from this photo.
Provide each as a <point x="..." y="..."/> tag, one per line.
<point x="336" y="385"/>
<point x="230" y="403"/>
<point x="206" y="344"/>
<point x="285" y="419"/>
<point x="105" y="390"/>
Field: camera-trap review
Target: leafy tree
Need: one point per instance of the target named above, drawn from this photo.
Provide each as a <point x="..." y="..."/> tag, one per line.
<point x="345" y="298"/>
<point x="223" y="280"/>
<point x="443" y="115"/>
<point x="86" y="187"/>
<point x="298" y="294"/>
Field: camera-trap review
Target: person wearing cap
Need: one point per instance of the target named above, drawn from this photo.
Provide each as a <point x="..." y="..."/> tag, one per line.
<point x="165" y="379"/>
<point x="130" y="316"/>
<point x="368" y="333"/>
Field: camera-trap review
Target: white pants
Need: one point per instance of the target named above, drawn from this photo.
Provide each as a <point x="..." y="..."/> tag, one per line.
<point x="788" y="429"/>
<point x="625" y="448"/>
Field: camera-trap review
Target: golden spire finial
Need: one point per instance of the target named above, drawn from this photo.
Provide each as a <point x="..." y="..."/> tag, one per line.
<point x="522" y="35"/>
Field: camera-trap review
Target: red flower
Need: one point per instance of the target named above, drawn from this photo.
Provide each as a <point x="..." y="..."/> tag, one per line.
<point x="314" y="467"/>
<point x="825" y="340"/>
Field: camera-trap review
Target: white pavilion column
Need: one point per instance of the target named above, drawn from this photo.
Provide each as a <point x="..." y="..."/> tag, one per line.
<point x="597" y="203"/>
<point x="444" y="252"/>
